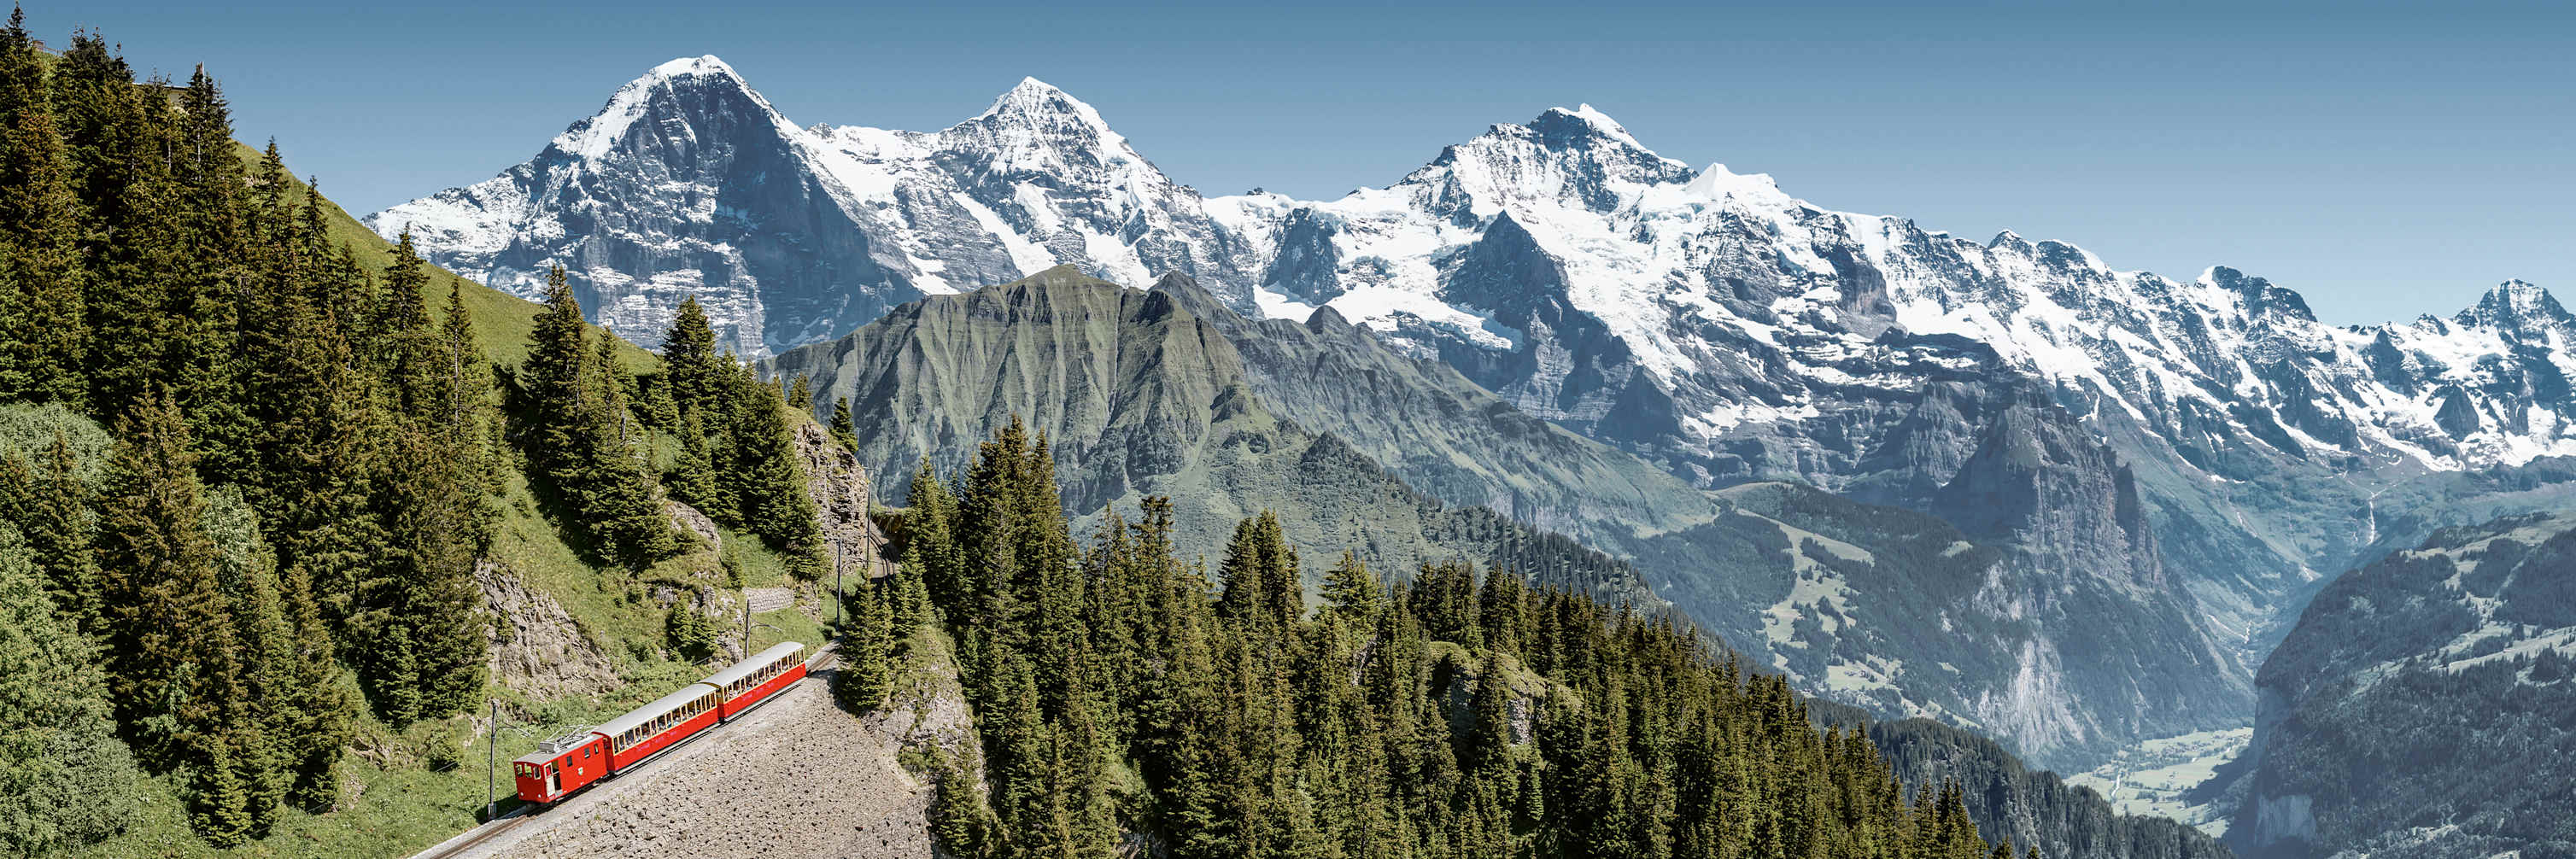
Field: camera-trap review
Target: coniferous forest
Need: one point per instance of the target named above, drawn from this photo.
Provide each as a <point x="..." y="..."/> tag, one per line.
<point x="1125" y="699"/>
<point x="246" y="479"/>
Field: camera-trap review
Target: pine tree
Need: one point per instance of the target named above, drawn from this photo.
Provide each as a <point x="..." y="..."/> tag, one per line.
<point x="218" y="802"/>
<point x="866" y="653"/>
<point x="1262" y="585"/>
<point x="64" y="780"/>
<point x="215" y="256"/>
<point x="1352" y="592"/>
<point x="43" y="318"/>
<point x="320" y="710"/>
<point x="51" y="507"/>
<point x="169" y="649"/>
<point x="931" y="548"/>
<point x="581" y="438"/>
<point x="769" y="478"/>
<point x="842" y="430"/>
<point x="959" y="825"/>
<point x="619" y="494"/>
<point x="693" y="472"/>
<point x="1489" y="738"/>
<point x="689" y="633"/>
<point x="554" y="377"/>
<point x="257" y="721"/>
<point x="689" y="359"/>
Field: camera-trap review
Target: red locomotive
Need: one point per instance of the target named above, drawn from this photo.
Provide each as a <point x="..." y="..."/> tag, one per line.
<point x="570" y="762"/>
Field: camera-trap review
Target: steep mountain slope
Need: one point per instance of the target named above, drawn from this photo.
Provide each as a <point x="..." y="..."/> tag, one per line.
<point x="2422" y="706"/>
<point x="1138" y="396"/>
<point x="1902" y="614"/>
<point x="2033" y="807"/>
<point x="1886" y="609"/>
<point x="689" y="183"/>
<point x="1709" y="321"/>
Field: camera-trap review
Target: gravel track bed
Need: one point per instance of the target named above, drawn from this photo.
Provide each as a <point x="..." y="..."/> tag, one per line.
<point x="796" y="778"/>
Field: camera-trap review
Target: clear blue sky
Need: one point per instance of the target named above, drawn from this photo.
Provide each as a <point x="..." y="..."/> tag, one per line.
<point x="2385" y="161"/>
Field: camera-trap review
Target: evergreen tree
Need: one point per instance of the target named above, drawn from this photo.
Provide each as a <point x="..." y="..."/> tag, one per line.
<point x="1352" y="592"/>
<point x="1262" y="586"/>
<point x="931" y="549"/>
<point x="581" y="439"/>
<point x="257" y="720"/>
<point x="169" y="648"/>
<point x="64" y="779"/>
<point x="50" y="504"/>
<point x="768" y="476"/>
<point x="866" y="648"/>
<point x="689" y="359"/>
<point x="842" y="430"/>
<point x="43" y="319"/>
<point x="689" y="633"/>
<point x="320" y="710"/>
<point x="959" y="825"/>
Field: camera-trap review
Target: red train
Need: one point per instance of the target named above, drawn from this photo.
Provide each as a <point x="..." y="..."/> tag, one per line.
<point x="570" y="762"/>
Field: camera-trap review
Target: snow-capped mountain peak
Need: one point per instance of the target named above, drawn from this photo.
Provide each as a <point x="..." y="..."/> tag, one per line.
<point x="1036" y="128"/>
<point x="687" y="182"/>
<point x="2522" y="306"/>
<point x="1688" y="270"/>
<point x="1586" y="114"/>
<point x="593" y="137"/>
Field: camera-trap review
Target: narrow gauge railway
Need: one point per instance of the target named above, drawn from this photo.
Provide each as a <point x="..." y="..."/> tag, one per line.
<point x="564" y="765"/>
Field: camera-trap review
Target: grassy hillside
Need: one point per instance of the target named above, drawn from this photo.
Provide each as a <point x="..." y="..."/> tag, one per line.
<point x="501" y="321"/>
<point x="404" y="790"/>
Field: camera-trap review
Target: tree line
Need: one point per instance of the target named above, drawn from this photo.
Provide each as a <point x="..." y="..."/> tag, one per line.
<point x="1124" y="700"/>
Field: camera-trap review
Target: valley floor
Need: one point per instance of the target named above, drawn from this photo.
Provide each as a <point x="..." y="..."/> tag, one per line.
<point x="2153" y="777"/>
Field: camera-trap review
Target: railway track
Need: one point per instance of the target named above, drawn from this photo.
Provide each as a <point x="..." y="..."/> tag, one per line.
<point x="476" y="836"/>
<point x="823" y="659"/>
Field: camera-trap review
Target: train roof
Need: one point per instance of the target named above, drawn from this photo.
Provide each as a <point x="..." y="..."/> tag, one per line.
<point x="744" y="668"/>
<point x="649" y="712"/>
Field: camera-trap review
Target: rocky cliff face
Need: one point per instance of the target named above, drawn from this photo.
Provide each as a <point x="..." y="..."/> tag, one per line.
<point x="2422" y="706"/>
<point x="1904" y="615"/>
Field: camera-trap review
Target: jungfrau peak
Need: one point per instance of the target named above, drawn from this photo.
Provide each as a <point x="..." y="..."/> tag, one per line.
<point x="1709" y="321"/>
<point x="689" y="183"/>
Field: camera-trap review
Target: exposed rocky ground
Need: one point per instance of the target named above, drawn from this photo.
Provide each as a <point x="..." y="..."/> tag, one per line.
<point x="796" y="778"/>
<point x="537" y="648"/>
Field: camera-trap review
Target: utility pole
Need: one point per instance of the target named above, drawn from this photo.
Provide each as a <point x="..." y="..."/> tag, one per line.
<point x="492" y="772"/>
<point x="746" y="623"/>
<point x="838" y="565"/>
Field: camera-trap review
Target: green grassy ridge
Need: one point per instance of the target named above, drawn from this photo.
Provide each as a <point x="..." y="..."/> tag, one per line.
<point x="1140" y="396"/>
<point x="502" y="322"/>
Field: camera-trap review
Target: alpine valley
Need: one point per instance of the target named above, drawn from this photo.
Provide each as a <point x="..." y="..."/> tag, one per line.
<point x="1996" y="484"/>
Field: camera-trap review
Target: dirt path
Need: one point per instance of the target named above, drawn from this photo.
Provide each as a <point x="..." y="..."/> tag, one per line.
<point x="796" y="778"/>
